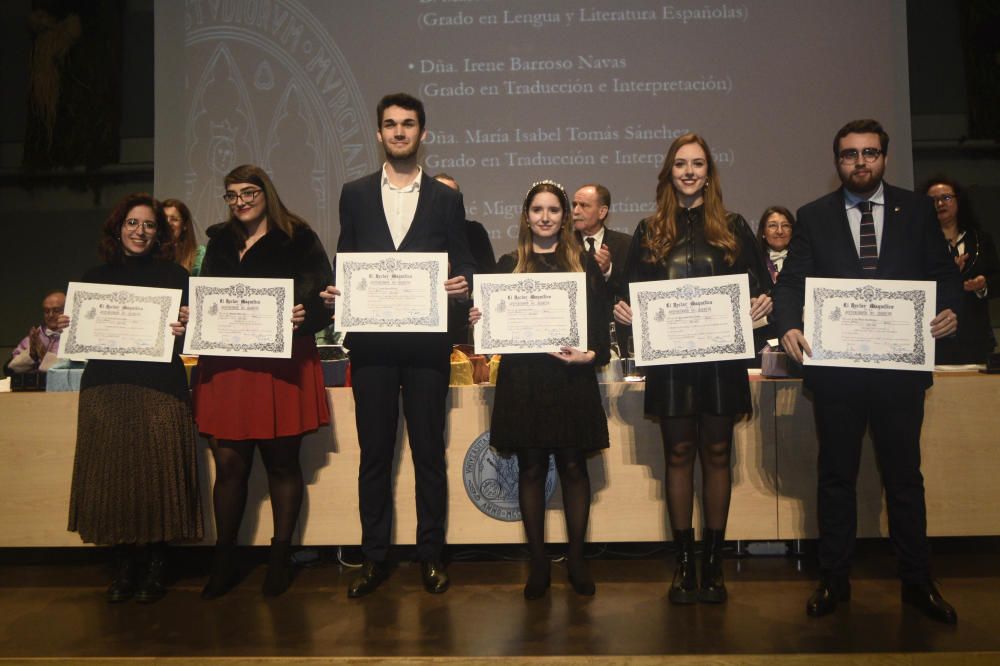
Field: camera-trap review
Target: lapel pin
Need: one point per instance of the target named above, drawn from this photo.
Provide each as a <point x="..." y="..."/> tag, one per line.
<point x="896" y="209"/>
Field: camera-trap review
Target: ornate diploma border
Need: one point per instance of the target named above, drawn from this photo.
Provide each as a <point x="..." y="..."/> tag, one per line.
<point x="83" y="302"/>
<point x="348" y="318"/>
<point x="532" y="286"/>
<point x="238" y="290"/>
<point x="870" y="294"/>
<point x="689" y="292"/>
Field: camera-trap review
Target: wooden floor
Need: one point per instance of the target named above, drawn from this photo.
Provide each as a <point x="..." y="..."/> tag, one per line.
<point x="52" y="607"/>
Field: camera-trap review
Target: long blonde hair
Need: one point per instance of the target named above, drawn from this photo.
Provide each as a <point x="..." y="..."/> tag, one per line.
<point x="567" y="254"/>
<point x="661" y="229"/>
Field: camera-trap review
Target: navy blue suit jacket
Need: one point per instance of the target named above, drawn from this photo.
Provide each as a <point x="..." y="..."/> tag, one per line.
<point x="438" y="226"/>
<point x="912" y="248"/>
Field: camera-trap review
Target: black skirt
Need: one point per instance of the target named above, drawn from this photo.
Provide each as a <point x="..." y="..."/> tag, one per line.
<point x="543" y="403"/>
<point x="688" y="389"/>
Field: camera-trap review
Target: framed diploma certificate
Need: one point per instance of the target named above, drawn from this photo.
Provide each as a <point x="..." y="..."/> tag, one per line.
<point x="691" y="320"/>
<point x="119" y="322"/>
<point x="392" y="292"/>
<point x="529" y="313"/>
<point x="870" y="323"/>
<point x="240" y="317"/>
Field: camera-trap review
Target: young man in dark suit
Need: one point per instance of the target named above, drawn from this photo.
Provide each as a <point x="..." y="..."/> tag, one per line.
<point x="609" y="248"/>
<point x="399" y="208"/>
<point x="868" y="229"/>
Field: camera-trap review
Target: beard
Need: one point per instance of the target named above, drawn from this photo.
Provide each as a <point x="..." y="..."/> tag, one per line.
<point x="862" y="181"/>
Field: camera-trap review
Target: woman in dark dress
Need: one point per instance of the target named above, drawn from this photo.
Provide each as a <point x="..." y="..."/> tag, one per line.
<point x="262" y="403"/>
<point x="550" y="403"/>
<point x="774" y="234"/>
<point x="976" y="256"/>
<point x="135" y="478"/>
<point x="692" y="235"/>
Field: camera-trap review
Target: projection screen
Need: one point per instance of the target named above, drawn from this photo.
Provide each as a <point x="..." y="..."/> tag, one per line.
<point x="515" y="92"/>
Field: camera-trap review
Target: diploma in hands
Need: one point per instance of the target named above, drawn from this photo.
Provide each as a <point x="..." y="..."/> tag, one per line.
<point x="392" y="292"/>
<point x="119" y="322"/>
<point x="870" y="323"/>
<point x="240" y="317"/>
<point x="691" y="320"/>
<point x="530" y="313"/>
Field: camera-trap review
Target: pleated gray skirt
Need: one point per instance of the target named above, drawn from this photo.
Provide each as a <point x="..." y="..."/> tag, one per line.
<point x="135" y="476"/>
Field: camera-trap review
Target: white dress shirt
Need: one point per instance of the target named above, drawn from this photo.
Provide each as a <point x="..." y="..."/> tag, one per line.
<point x="400" y="205"/>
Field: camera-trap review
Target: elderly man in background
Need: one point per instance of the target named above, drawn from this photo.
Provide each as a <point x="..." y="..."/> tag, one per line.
<point x="40" y="348"/>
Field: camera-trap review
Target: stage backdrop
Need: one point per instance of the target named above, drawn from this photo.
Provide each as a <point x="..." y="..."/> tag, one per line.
<point x="520" y="91"/>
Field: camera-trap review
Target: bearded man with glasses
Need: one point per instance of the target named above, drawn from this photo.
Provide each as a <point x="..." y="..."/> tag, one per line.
<point x="868" y="229"/>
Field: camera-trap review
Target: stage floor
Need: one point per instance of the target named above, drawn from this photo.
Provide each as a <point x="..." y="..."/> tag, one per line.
<point x="52" y="606"/>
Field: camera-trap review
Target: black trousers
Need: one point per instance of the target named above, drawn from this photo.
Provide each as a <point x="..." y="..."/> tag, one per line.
<point x="895" y="418"/>
<point x="377" y="384"/>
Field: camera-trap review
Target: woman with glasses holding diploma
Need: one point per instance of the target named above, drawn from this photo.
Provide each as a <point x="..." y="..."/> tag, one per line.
<point x="135" y="477"/>
<point x="262" y="403"/>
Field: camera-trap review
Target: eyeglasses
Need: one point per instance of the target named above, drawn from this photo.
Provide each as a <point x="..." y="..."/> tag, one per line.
<point x="851" y="155"/>
<point x="50" y="311"/>
<point x="147" y="225"/>
<point x="246" y="196"/>
<point x="944" y="198"/>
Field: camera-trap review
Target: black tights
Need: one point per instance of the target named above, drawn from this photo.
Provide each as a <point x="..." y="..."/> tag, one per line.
<point x="533" y="467"/>
<point x="233" y="462"/>
<point x="710" y="436"/>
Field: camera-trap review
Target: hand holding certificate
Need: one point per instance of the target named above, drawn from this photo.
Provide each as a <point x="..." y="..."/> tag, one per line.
<point x="240" y="317"/>
<point x="870" y="323"/>
<point x="392" y="292"/>
<point x="119" y="322"/>
<point x="691" y="320"/>
<point x="530" y="313"/>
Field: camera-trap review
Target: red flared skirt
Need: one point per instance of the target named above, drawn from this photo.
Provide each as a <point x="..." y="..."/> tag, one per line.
<point x="261" y="398"/>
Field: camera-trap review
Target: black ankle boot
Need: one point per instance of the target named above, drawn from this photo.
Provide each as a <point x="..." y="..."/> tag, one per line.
<point x="684" y="588"/>
<point x="224" y="575"/>
<point x="123" y="579"/>
<point x="539" y="579"/>
<point x="279" y="569"/>
<point x="153" y="586"/>
<point x="713" y="585"/>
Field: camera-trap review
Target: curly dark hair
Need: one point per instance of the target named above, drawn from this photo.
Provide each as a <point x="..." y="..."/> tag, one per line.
<point x="966" y="214"/>
<point x="109" y="247"/>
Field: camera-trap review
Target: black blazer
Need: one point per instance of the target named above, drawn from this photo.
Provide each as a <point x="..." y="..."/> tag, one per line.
<point x="912" y="248"/>
<point x="438" y="226"/>
<point x="618" y="245"/>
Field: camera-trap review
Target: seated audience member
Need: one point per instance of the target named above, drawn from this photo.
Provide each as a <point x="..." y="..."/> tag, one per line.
<point x="976" y="257"/>
<point x="482" y="252"/>
<point x="40" y="348"/>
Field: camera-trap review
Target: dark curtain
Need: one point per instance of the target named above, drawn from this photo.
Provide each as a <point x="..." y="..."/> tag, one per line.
<point x="981" y="35"/>
<point x="74" y="88"/>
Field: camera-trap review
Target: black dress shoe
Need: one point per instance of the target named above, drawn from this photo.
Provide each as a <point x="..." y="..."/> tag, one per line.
<point x="926" y="598"/>
<point x="435" y="576"/>
<point x="824" y="600"/>
<point x="371" y="576"/>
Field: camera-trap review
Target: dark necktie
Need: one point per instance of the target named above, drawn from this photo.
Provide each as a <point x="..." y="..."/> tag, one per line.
<point x="869" y="246"/>
<point x="590" y="246"/>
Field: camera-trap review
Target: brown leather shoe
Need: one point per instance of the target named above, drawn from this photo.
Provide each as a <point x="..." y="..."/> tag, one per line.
<point x="926" y="598"/>
<point x="435" y="576"/>
<point x="826" y="597"/>
<point x="371" y="576"/>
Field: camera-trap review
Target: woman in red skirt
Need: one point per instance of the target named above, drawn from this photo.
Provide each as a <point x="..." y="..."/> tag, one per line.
<point x="262" y="403"/>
